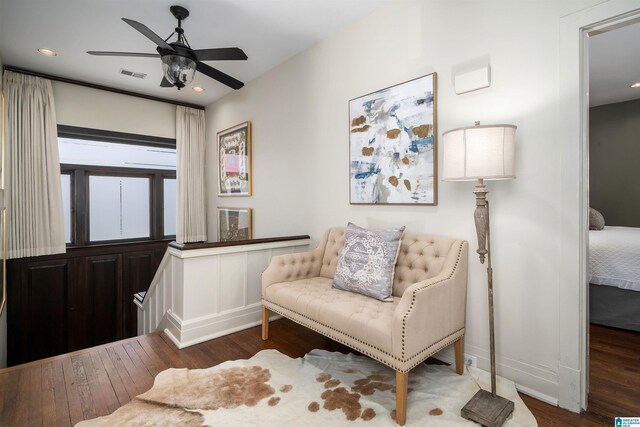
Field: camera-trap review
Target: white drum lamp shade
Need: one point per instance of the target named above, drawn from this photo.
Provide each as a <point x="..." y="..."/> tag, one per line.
<point x="479" y="152"/>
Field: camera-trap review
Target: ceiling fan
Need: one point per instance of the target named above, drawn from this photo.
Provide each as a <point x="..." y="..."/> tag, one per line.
<point x="179" y="60"/>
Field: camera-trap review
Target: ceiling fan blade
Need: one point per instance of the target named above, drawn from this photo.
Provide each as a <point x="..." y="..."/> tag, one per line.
<point x="145" y="31"/>
<point x="220" y="54"/>
<point x="219" y="76"/>
<point x="142" y="55"/>
<point x="165" y="83"/>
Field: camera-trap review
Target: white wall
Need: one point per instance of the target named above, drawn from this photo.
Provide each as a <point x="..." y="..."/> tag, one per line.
<point x="3" y="318"/>
<point x="98" y="109"/>
<point x="279" y="155"/>
<point x="300" y="140"/>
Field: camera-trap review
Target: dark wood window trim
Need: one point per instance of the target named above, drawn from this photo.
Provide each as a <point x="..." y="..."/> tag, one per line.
<point x="102" y="135"/>
<point x="80" y="175"/>
<point x="100" y="87"/>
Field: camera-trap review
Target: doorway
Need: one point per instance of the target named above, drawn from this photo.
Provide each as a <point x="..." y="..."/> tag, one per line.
<point x="575" y="30"/>
<point x="613" y="243"/>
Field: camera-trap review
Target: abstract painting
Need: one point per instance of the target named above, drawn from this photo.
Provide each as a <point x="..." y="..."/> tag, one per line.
<point x="234" y="224"/>
<point x="392" y="145"/>
<point x="234" y="161"/>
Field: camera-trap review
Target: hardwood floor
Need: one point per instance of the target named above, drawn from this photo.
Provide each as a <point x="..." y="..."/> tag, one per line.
<point x="615" y="372"/>
<point x="64" y="390"/>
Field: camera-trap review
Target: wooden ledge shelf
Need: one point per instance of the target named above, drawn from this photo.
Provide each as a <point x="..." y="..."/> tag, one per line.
<point x="206" y="245"/>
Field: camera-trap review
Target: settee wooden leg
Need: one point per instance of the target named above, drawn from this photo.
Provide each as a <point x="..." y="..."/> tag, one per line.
<point x="458" y="346"/>
<point x="265" y="323"/>
<point x="402" y="383"/>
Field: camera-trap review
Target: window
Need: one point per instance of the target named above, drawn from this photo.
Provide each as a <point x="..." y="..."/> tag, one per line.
<point x="75" y="151"/>
<point x="116" y="187"/>
<point x="65" y="181"/>
<point x="170" y="202"/>
<point x="119" y="208"/>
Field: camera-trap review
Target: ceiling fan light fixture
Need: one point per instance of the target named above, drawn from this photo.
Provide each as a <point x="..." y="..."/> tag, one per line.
<point x="178" y="69"/>
<point x="179" y="61"/>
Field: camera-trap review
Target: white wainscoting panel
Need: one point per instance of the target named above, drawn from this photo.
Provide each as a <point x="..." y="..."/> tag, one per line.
<point x="176" y="277"/>
<point x="255" y="266"/>
<point x="200" y="294"/>
<point x="232" y="280"/>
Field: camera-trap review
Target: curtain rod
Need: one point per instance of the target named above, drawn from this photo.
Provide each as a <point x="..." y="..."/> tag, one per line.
<point x="100" y="87"/>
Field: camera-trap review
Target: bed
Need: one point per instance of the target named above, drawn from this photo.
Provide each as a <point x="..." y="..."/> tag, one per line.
<point x="614" y="277"/>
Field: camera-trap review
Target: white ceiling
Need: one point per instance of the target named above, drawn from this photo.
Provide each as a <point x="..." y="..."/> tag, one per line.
<point x="269" y="31"/>
<point x="614" y="64"/>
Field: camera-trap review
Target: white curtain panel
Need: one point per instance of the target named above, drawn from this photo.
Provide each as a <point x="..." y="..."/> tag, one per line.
<point x="192" y="205"/>
<point x="35" y="224"/>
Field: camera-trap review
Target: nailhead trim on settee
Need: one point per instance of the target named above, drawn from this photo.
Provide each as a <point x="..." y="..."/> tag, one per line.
<point x="415" y="291"/>
<point x="448" y="340"/>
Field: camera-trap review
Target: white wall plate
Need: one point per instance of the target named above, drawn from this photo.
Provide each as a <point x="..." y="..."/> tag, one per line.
<point x="472" y="80"/>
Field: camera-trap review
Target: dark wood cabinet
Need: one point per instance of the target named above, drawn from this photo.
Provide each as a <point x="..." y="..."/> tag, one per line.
<point x="67" y="302"/>
<point x="42" y="299"/>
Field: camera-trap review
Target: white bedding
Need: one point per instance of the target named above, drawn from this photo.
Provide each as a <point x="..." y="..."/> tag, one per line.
<point x="614" y="257"/>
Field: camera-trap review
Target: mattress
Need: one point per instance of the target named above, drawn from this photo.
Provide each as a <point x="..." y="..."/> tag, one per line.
<point x="614" y="257"/>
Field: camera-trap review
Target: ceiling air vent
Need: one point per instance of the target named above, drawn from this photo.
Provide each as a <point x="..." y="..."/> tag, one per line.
<point x="132" y="74"/>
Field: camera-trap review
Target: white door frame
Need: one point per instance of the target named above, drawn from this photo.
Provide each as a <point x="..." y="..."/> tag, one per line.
<point x="574" y="151"/>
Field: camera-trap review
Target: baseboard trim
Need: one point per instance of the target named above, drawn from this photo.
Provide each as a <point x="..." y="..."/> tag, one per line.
<point x="537" y="395"/>
<point x="569" y="393"/>
<point x="534" y="381"/>
<point x="187" y="333"/>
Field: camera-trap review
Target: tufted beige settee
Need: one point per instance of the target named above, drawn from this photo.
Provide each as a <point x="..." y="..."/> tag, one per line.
<point x="426" y="315"/>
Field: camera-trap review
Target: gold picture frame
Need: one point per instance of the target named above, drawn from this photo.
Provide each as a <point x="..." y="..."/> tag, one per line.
<point x="234" y="224"/>
<point x="234" y="160"/>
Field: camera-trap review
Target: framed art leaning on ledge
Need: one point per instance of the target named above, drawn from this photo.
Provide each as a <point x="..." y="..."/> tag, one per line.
<point x="234" y="224"/>
<point x="234" y="160"/>
<point x="393" y="145"/>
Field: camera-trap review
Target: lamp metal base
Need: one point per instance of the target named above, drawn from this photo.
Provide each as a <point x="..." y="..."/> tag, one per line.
<point x="485" y="409"/>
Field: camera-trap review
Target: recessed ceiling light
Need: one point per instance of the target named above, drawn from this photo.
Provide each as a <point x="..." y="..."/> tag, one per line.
<point x="636" y="84"/>
<point x="47" y="52"/>
<point x="198" y="89"/>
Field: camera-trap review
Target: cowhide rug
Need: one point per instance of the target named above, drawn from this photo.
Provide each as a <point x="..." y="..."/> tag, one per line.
<point x="321" y="389"/>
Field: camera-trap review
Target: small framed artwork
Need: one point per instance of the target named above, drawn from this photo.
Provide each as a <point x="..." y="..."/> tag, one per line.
<point x="234" y="161"/>
<point x="234" y="224"/>
<point x="393" y="146"/>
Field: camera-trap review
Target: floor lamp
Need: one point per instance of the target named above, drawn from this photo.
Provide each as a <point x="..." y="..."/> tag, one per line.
<point x="482" y="153"/>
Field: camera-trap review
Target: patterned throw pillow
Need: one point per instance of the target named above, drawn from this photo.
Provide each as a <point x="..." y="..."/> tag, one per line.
<point x="368" y="260"/>
<point x="596" y="220"/>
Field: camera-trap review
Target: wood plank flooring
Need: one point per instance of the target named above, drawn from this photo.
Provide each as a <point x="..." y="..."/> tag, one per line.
<point x="615" y="372"/>
<point x="66" y="389"/>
